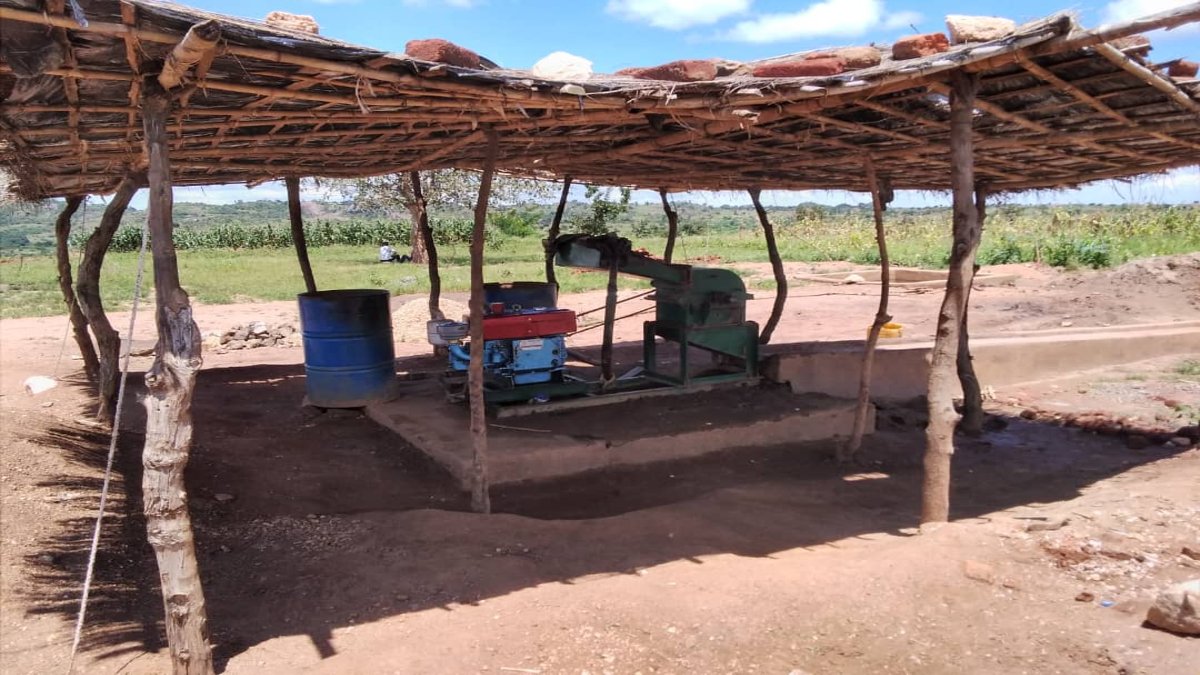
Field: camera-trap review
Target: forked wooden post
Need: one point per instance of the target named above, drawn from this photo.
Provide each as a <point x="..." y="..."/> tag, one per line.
<point x="850" y="449"/>
<point x="87" y="294"/>
<point x="425" y="234"/>
<point x="481" y="501"/>
<point x="552" y="233"/>
<point x="939" y="435"/>
<point x="672" y="225"/>
<point x="79" y="324"/>
<point x="418" y="210"/>
<point x="169" y="385"/>
<point x="298" y="238"/>
<point x="971" y="423"/>
<point x="781" y="285"/>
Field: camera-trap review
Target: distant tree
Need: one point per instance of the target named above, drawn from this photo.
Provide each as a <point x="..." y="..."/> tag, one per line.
<point x="454" y="189"/>
<point x="602" y="210"/>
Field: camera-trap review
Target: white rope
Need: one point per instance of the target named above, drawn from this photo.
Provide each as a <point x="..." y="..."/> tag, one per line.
<point x="112" y="448"/>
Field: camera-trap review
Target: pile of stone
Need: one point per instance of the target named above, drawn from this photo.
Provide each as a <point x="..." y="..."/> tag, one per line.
<point x="255" y="334"/>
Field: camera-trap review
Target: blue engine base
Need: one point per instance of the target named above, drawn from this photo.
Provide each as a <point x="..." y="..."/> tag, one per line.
<point x="513" y="363"/>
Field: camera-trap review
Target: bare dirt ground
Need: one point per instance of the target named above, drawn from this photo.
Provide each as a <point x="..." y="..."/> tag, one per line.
<point x="328" y="546"/>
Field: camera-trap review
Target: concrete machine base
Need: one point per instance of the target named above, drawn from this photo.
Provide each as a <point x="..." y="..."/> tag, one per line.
<point x="901" y="369"/>
<point x="663" y="428"/>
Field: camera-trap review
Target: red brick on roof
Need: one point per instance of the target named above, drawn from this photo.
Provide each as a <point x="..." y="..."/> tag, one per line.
<point x="687" y="70"/>
<point x="1182" y="68"/>
<point x="801" y="68"/>
<point x="916" y="46"/>
<point x="854" y="57"/>
<point x="442" y="51"/>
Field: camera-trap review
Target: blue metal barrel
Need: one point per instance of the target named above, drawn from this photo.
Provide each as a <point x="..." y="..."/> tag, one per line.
<point x="349" y="360"/>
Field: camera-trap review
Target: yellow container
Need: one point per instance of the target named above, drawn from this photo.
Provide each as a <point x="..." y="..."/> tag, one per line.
<point x="889" y="330"/>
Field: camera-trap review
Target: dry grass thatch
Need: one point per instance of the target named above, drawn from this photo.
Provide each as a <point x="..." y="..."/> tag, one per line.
<point x="1058" y="106"/>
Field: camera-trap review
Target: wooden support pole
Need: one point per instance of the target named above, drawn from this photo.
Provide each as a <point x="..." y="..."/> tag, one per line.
<point x="197" y="45"/>
<point x="971" y="423"/>
<point x="425" y="234"/>
<point x="298" y="238"/>
<point x="481" y="501"/>
<point x="850" y="449"/>
<point x="610" y="322"/>
<point x="169" y="386"/>
<point x="418" y="211"/>
<point x="79" y="324"/>
<point x="939" y="435"/>
<point x="781" y="285"/>
<point x="672" y="226"/>
<point x="555" y="224"/>
<point x="87" y="294"/>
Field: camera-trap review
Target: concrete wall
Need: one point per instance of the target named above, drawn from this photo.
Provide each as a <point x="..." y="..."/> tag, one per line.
<point x="901" y="370"/>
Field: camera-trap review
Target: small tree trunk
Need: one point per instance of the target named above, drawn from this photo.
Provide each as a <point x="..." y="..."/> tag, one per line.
<point x="169" y="384"/>
<point x="971" y="423"/>
<point x="480" y="499"/>
<point x="87" y="294"/>
<point x="421" y="216"/>
<point x="418" y="211"/>
<point x="552" y="233"/>
<point x="781" y="285"/>
<point x="79" y="324"/>
<point x="298" y="238"/>
<point x="850" y="449"/>
<point x="672" y="226"/>
<point x="939" y="435"/>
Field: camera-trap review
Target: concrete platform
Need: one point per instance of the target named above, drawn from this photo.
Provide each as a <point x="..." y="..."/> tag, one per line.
<point x="632" y="432"/>
<point x="901" y="369"/>
<point x="906" y="277"/>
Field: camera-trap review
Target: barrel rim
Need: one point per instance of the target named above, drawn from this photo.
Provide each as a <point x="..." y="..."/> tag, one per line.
<point x="344" y="293"/>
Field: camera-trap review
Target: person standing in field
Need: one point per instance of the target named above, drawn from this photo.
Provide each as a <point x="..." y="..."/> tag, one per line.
<point x="388" y="254"/>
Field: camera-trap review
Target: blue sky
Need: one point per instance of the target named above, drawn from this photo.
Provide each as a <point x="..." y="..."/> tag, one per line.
<point x="617" y="33"/>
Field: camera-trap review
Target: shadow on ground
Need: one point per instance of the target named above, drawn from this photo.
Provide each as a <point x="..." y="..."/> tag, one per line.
<point x="311" y="522"/>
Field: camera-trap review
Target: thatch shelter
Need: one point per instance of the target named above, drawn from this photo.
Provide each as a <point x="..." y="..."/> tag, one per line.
<point x="108" y="95"/>
<point x="1056" y="106"/>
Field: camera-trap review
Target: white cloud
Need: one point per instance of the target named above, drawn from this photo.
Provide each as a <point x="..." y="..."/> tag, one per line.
<point x="902" y="19"/>
<point x="1124" y="10"/>
<point x="676" y="14"/>
<point x="457" y="4"/>
<point x="829" y="18"/>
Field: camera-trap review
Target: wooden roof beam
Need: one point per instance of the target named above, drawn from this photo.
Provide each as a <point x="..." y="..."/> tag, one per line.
<point x="1144" y="74"/>
<point x="1046" y="75"/>
<point x="1020" y="120"/>
<point x="979" y="136"/>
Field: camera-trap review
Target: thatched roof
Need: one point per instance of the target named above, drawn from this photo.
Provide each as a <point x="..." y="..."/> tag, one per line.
<point x="1058" y="106"/>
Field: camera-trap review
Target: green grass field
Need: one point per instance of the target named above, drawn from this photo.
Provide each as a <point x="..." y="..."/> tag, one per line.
<point x="1069" y="236"/>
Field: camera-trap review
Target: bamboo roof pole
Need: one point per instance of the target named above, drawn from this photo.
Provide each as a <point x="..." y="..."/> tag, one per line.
<point x="197" y="46"/>
<point x="1149" y="76"/>
<point x="849" y="450"/>
<point x="1046" y="75"/>
<point x="480" y="498"/>
<point x="943" y="384"/>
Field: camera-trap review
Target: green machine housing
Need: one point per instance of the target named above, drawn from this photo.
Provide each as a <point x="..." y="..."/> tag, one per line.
<point x="703" y="307"/>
